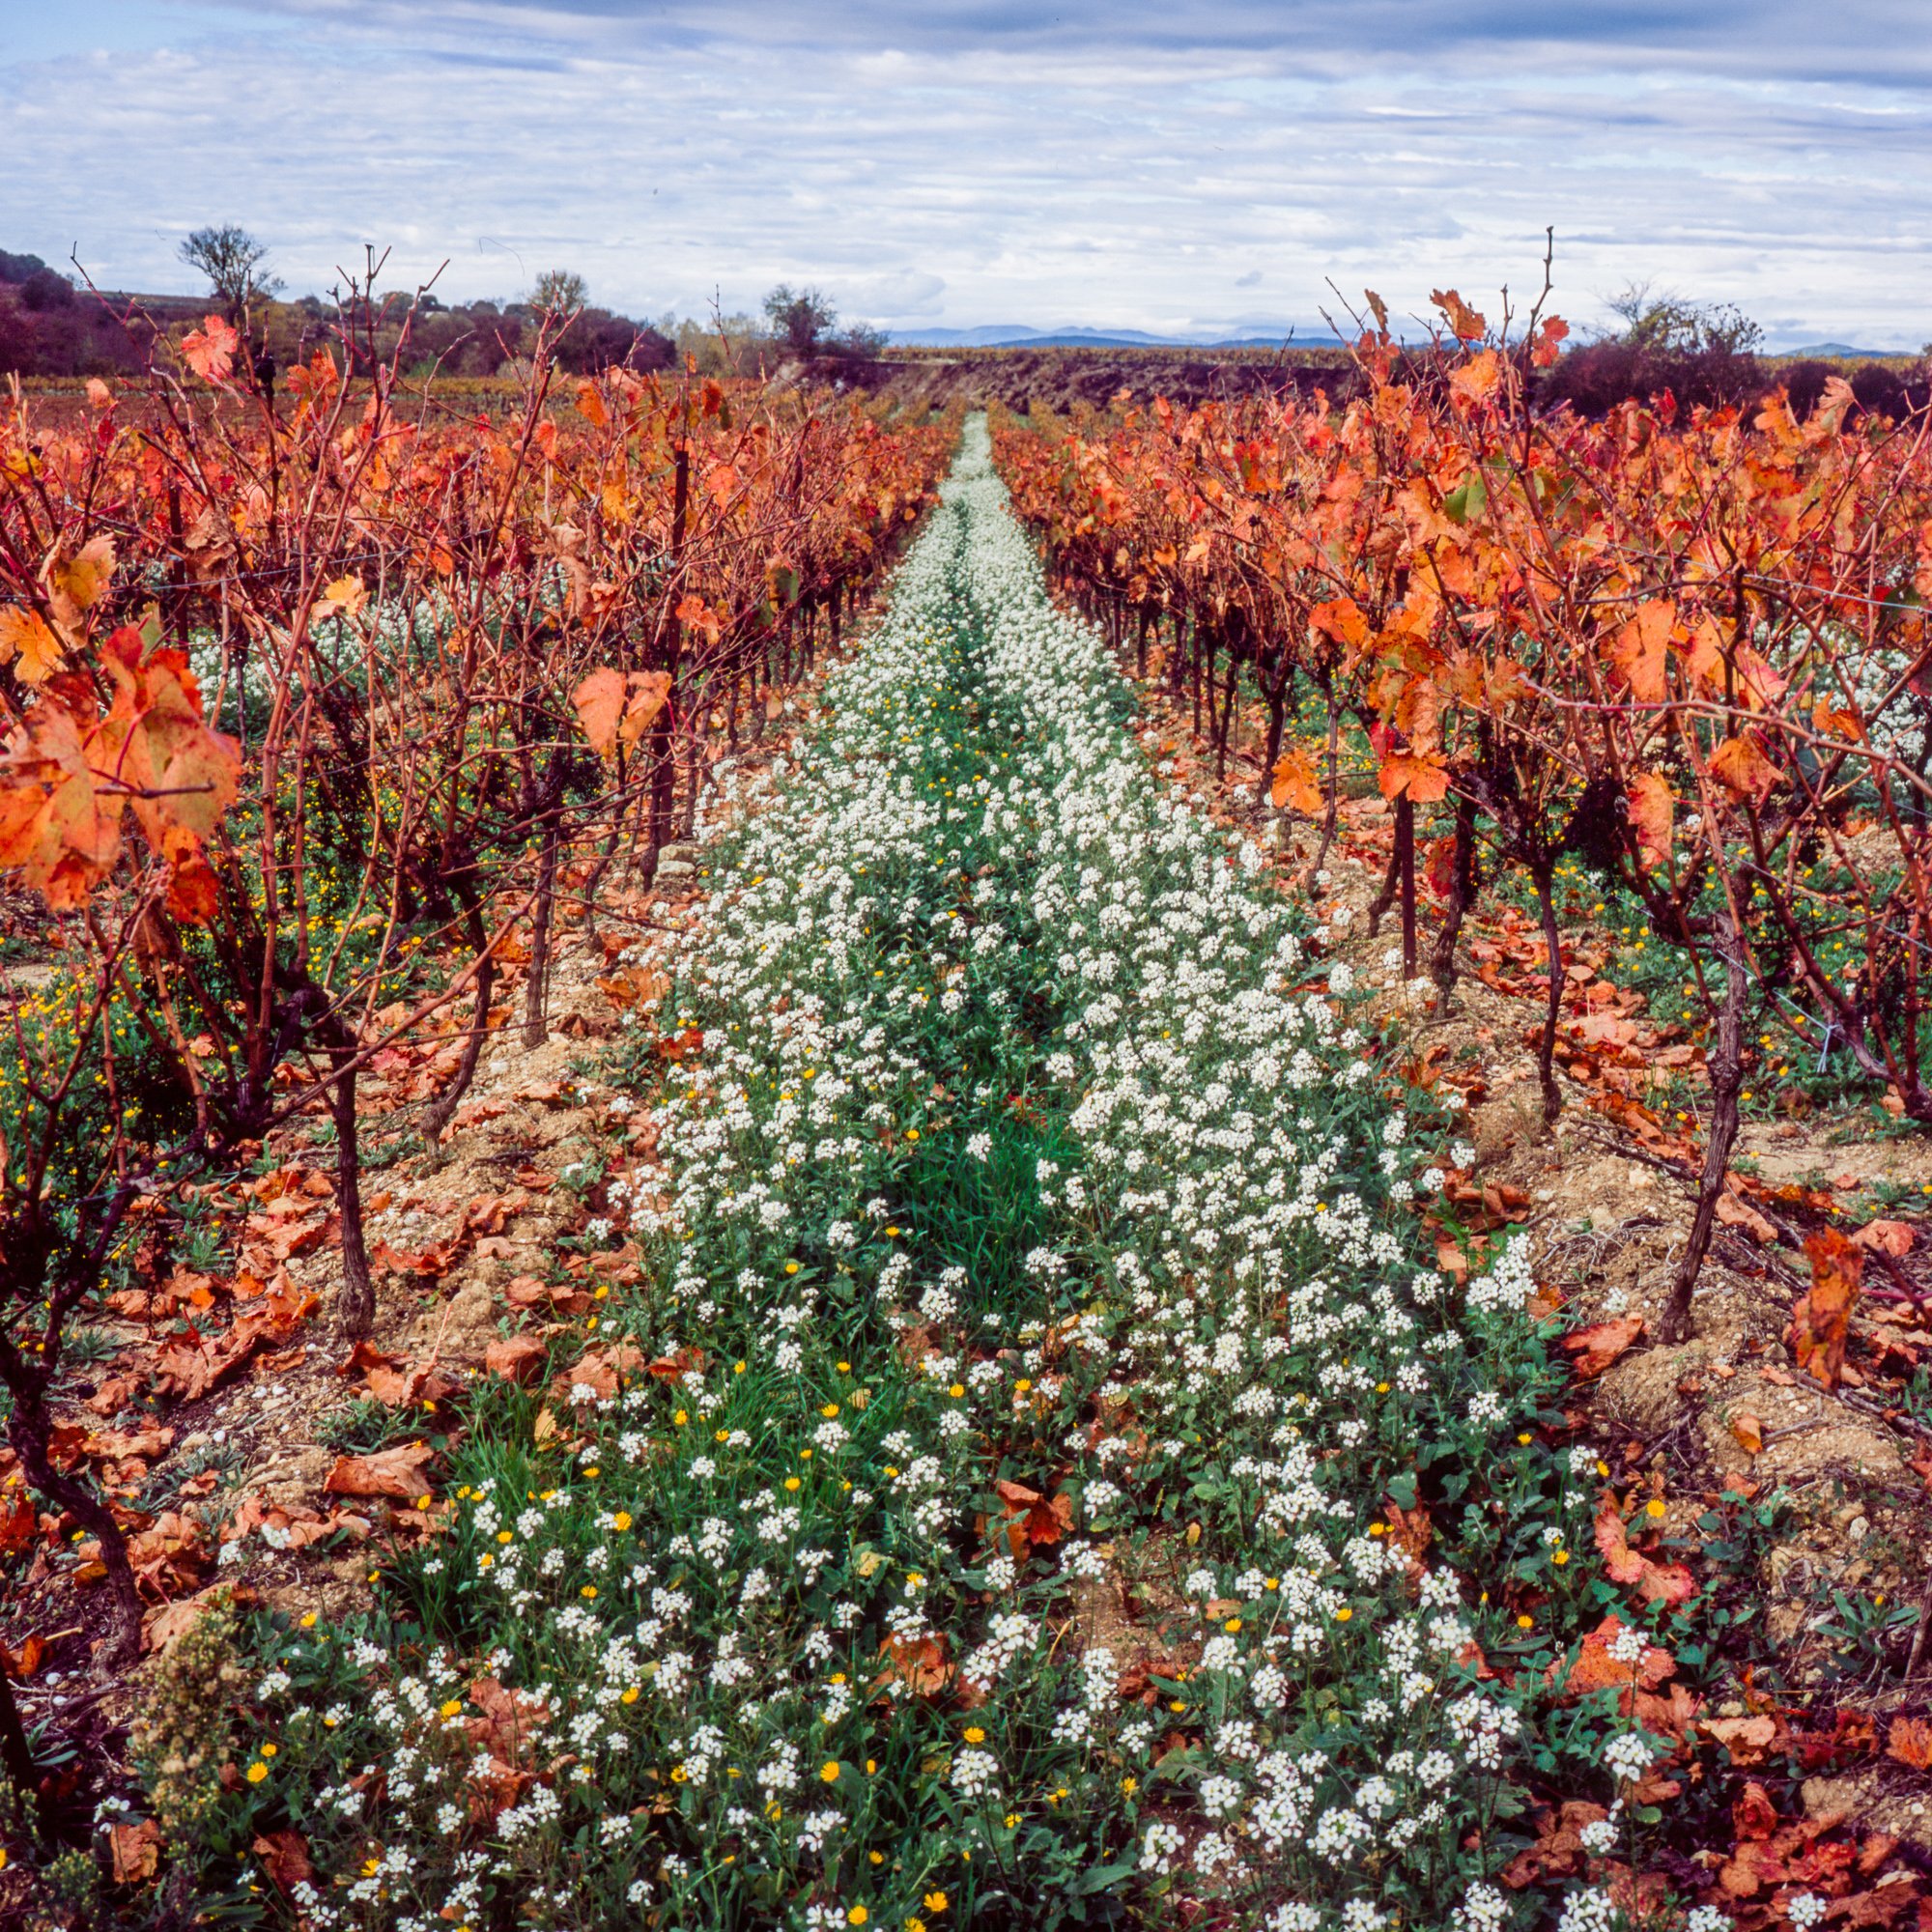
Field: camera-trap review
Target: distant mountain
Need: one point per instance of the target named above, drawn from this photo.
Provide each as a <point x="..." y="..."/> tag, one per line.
<point x="1007" y="335"/>
<point x="993" y="335"/>
<point x="1019" y="335"/>
<point x="1839" y="351"/>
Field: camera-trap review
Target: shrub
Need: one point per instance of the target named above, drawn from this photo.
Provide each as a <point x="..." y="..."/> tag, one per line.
<point x="184" y="1733"/>
<point x="1805" y="383"/>
<point x="1885" y="392"/>
<point x="1595" y="380"/>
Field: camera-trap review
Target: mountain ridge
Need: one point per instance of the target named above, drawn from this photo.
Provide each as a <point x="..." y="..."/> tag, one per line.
<point x="1022" y="335"/>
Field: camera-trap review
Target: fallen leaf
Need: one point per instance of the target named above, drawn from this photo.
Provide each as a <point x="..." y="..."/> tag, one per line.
<point x="1594" y="1668"/>
<point x="526" y="1291"/>
<point x="1033" y="1518"/>
<point x="387" y="1472"/>
<point x="679" y="1363"/>
<point x="407" y="1387"/>
<point x="1412" y="1532"/>
<point x="1753" y="1815"/>
<point x="161" y="1627"/>
<point x="1748" y="1430"/>
<point x="918" y="1665"/>
<point x="1741" y="1876"/>
<point x="190" y="1364"/>
<point x="1884" y="1238"/>
<point x="599" y="1370"/>
<point x="517" y="1358"/>
<point x="23" y="1666"/>
<point x="170" y="1551"/>
<point x="1747" y="1738"/>
<point x="1733" y="1212"/>
<point x="509" y="1719"/>
<point x="284" y="1857"/>
<point x="1597" y="1347"/>
<point x="1558" y="1850"/>
<point x="492" y="1785"/>
<point x="431" y="1262"/>
<point x="363" y="1357"/>
<point x="135" y="1850"/>
<point x="1654" y="1582"/>
<point x="1911" y="1743"/>
<point x="19" y="1519"/>
<point x="633" y="986"/>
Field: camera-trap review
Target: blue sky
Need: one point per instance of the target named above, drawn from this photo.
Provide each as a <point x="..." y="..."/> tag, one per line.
<point x="1107" y="163"/>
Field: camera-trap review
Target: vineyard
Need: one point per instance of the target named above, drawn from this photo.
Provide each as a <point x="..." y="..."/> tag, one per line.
<point x="721" y="1206"/>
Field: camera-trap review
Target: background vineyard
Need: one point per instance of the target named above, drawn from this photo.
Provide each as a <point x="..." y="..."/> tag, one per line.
<point x="338" y="704"/>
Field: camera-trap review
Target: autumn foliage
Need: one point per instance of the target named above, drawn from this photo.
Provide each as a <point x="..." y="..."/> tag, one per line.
<point x="308" y="699"/>
<point x="1685" y="645"/>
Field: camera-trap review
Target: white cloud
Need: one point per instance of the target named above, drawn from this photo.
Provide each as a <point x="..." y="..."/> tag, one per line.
<point x="972" y="161"/>
<point x="904" y="295"/>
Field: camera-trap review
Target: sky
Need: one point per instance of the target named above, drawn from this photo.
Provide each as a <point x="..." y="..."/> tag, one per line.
<point x="1158" y="164"/>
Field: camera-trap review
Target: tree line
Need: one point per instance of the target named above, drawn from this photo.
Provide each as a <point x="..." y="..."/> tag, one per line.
<point x="52" y="324"/>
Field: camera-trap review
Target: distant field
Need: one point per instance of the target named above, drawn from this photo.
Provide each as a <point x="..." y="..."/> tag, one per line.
<point x="1062" y="378"/>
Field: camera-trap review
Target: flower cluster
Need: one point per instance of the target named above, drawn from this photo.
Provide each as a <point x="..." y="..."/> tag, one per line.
<point x="988" y="1497"/>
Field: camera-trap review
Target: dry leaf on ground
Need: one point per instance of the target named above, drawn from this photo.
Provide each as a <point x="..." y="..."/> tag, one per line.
<point x="388" y="1472"/>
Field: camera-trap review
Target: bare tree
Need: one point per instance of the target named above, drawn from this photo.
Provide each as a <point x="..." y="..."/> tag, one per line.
<point x="233" y="261"/>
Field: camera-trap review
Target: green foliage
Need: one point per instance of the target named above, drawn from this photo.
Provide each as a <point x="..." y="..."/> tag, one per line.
<point x="561" y="291"/>
<point x="800" y="317"/>
<point x="1671" y="324"/>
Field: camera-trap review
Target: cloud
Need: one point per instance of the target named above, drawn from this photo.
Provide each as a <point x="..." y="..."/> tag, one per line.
<point x="907" y="296"/>
<point x="1867" y="39"/>
<point x="981" y="160"/>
